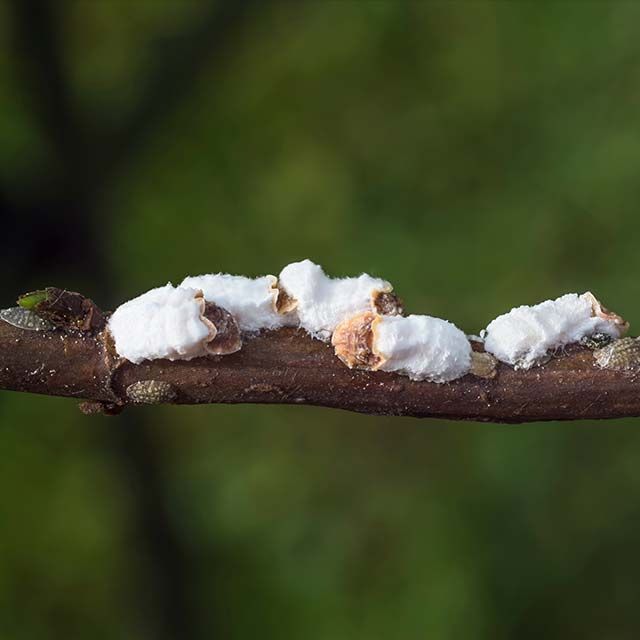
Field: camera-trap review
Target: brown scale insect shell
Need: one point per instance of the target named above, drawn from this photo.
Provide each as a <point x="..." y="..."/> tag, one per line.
<point x="284" y="302"/>
<point x="353" y="341"/>
<point x="387" y="303"/>
<point x="226" y="333"/>
<point x="604" y="313"/>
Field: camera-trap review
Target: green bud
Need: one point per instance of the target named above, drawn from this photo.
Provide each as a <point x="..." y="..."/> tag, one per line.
<point x="33" y="299"/>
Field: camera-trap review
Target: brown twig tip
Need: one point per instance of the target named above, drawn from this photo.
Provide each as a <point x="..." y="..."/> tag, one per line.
<point x="64" y="308"/>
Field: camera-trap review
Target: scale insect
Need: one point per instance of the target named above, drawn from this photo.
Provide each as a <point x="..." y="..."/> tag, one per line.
<point x="151" y="392"/>
<point x="321" y="302"/>
<point x="172" y="323"/>
<point x="420" y="347"/>
<point x="596" y="341"/>
<point x="527" y="336"/>
<point x="254" y="302"/>
<point x="25" y="319"/>
<point x="620" y="355"/>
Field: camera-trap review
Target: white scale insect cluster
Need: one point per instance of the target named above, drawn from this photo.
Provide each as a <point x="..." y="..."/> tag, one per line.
<point x="166" y="322"/>
<point x="321" y="303"/>
<point x="252" y="301"/>
<point x="526" y="336"/>
<point x="361" y="317"/>
<point x="302" y="296"/>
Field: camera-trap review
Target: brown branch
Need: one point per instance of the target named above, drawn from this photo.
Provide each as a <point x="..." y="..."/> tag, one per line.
<point x="289" y="367"/>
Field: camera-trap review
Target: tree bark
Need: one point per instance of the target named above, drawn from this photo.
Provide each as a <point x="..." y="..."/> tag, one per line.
<point x="289" y="367"/>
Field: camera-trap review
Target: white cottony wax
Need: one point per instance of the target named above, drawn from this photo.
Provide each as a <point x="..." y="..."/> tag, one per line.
<point x="524" y="336"/>
<point x="323" y="302"/>
<point x="166" y="322"/>
<point x="422" y="347"/>
<point x="252" y="301"/>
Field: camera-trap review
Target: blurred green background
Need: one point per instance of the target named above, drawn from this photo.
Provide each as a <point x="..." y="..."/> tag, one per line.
<point x="477" y="154"/>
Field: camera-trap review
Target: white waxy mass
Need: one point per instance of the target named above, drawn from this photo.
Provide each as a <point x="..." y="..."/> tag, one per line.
<point x="321" y="302"/>
<point x="360" y="315"/>
<point x="525" y="336"/>
<point x="252" y="301"/>
<point x="420" y="347"/>
<point x="166" y="322"/>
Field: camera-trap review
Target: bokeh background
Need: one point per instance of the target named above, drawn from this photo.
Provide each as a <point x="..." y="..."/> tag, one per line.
<point x="477" y="154"/>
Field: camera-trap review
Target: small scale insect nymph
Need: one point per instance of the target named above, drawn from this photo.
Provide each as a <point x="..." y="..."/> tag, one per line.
<point x="620" y="355"/>
<point x="25" y="319"/>
<point x="151" y="392"/>
<point x="596" y="341"/>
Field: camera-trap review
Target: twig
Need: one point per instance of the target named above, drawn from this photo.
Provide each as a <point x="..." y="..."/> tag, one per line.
<point x="289" y="367"/>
